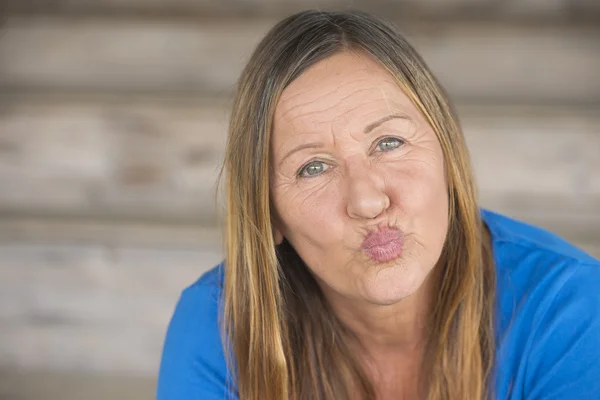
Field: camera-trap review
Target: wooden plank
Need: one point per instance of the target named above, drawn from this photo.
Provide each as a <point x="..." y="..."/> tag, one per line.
<point x="60" y="385"/>
<point x="91" y="308"/>
<point x="127" y="56"/>
<point x="406" y="8"/>
<point x="543" y="151"/>
<point x="107" y="231"/>
<point x="474" y="61"/>
<point x="126" y="160"/>
<point x="547" y="8"/>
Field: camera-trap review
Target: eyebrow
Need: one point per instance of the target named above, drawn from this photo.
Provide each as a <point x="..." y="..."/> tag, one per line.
<point x="375" y="124"/>
<point x="301" y="147"/>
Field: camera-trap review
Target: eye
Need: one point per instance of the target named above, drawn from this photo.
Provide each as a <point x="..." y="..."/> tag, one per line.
<point x="313" y="168"/>
<point x="389" y="143"/>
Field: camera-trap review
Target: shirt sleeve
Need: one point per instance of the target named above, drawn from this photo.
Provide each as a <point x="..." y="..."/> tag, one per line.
<point x="565" y="360"/>
<point x="193" y="363"/>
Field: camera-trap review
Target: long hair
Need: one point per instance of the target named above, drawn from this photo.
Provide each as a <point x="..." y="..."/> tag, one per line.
<point x="282" y="339"/>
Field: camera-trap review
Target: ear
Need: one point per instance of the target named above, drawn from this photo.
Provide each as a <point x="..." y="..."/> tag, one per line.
<point x="277" y="236"/>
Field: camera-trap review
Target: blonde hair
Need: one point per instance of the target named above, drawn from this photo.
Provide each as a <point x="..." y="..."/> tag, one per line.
<point x="282" y="339"/>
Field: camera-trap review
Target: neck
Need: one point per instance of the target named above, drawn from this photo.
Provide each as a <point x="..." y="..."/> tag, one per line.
<point x="391" y="340"/>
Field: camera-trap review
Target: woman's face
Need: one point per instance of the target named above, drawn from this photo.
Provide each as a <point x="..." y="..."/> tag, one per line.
<point x="358" y="181"/>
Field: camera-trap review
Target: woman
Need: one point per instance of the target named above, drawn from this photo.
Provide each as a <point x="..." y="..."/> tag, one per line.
<point x="358" y="264"/>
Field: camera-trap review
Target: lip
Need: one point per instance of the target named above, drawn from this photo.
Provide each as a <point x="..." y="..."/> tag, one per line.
<point x="383" y="245"/>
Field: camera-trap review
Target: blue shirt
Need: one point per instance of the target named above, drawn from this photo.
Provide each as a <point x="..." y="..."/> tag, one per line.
<point x="547" y="323"/>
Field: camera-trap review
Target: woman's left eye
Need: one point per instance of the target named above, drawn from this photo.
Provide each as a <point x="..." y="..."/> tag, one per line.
<point x="389" y="143"/>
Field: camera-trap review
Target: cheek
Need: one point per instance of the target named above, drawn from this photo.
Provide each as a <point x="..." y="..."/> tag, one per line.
<point x="418" y="186"/>
<point x="308" y="211"/>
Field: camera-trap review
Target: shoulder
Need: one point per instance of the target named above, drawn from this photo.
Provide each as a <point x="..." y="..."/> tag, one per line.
<point x="209" y="284"/>
<point x="548" y="321"/>
<point x="538" y="266"/>
<point x="511" y="237"/>
<point x="199" y="304"/>
<point x="193" y="362"/>
<point x="535" y="263"/>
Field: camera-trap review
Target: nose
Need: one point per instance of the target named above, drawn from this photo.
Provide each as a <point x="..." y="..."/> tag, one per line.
<point x="366" y="192"/>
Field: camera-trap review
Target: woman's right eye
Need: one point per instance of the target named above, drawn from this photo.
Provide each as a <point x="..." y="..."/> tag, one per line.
<point x="313" y="168"/>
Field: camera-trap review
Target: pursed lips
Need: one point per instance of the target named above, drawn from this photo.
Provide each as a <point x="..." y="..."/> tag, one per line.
<point x="383" y="245"/>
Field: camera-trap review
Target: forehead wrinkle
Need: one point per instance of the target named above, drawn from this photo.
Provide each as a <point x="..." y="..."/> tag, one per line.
<point x="339" y="87"/>
<point x="300" y="119"/>
<point x="334" y="105"/>
<point x="287" y="110"/>
<point x="343" y="117"/>
<point x="385" y="99"/>
<point x="351" y="109"/>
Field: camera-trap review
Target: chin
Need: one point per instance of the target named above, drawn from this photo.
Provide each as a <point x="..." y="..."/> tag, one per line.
<point x="393" y="284"/>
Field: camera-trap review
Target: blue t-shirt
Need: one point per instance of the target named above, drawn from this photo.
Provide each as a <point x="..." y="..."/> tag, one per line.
<point x="547" y="336"/>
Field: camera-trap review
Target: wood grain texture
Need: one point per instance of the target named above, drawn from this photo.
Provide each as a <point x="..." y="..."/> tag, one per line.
<point x="74" y="385"/>
<point x="112" y="158"/>
<point x="565" y="9"/>
<point x="91" y="307"/>
<point x="474" y="62"/>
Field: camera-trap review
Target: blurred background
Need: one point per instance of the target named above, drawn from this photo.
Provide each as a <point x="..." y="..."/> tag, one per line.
<point x="113" y="116"/>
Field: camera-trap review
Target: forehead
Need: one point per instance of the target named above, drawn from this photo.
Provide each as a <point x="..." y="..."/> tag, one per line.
<point x="346" y="84"/>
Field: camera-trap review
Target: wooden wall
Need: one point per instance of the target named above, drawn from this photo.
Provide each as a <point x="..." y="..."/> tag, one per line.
<point x="113" y="116"/>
